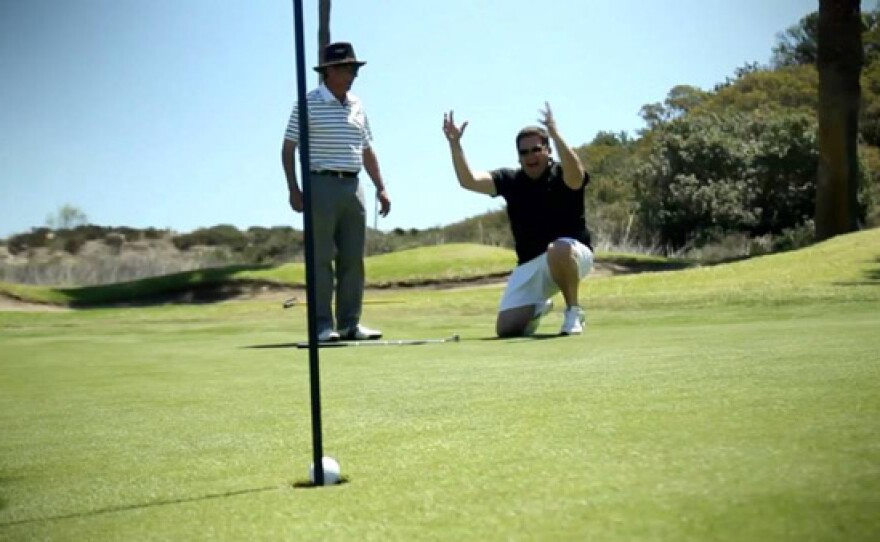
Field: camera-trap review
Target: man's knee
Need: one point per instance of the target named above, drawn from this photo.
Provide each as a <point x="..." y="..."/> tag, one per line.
<point x="560" y="253"/>
<point x="559" y="250"/>
<point x="507" y="331"/>
<point x="513" y="322"/>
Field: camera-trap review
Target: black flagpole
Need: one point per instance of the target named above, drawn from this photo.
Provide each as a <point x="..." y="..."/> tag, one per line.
<point x="314" y="376"/>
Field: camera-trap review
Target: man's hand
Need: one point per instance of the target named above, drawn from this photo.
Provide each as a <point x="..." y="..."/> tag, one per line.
<point x="453" y="132"/>
<point x="296" y="201"/>
<point x="548" y="121"/>
<point x="384" y="203"/>
<point x="572" y="170"/>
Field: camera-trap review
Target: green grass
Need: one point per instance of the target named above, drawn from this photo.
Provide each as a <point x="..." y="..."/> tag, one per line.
<point x="739" y="402"/>
<point x="841" y="268"/>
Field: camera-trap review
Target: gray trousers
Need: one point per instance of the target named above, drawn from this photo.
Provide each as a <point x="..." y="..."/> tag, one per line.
<point x="339" y="233"/>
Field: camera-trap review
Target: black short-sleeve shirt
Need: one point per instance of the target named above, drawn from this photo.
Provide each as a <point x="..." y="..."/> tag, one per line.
<point x="541" y="210"/>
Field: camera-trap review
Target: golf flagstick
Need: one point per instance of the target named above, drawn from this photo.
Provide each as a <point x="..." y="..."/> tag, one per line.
<point x="305" y="168"/>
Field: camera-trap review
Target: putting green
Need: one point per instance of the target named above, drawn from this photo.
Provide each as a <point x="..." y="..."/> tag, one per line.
<point x="729" y="403"/>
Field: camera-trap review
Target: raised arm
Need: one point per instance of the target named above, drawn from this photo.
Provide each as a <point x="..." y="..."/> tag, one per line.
<point x="572" y="169"/>
<point x="480" y="181"/>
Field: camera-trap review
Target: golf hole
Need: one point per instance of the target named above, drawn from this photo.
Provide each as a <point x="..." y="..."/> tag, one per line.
<point x="307" y="484"/>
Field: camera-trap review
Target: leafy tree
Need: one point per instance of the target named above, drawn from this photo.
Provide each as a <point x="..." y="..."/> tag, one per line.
<point x="869" y="192"/>
<point x="739" y="73"/>
<point x="679" y="101"/>
<point x="66" y="217"/>
<point x="611" y="159"/>
<point x="869" y="120"/>
<point x="611" y="139"/>
<point x="840" y="58"/>
<point x="790" y="87"/>
<point x="871" y="34"/>
<point x="798" y="47"/>
<point x="708" y="175"/>
<point x="783" y="168"/>
<point x="683" y="98"/>
<point x="799" y="44"/>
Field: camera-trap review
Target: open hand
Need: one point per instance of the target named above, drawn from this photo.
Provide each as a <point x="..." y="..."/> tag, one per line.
<point x="453" y="132"/>
<point x="547" y="120"/>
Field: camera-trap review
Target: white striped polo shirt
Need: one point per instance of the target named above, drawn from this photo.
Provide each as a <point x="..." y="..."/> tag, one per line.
<point x="338" y="133"/>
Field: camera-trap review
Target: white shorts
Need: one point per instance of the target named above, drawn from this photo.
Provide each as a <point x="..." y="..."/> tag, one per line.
<point x="531" y="283"/>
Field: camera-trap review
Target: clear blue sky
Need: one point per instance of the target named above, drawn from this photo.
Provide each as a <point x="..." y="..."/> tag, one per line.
<point x="171" y="113"/>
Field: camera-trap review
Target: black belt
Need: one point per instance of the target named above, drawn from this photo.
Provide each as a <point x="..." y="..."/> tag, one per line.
<point x="335" y="173"/>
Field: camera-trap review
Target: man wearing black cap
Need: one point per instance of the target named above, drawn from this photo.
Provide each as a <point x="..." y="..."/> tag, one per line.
<point x="340" y="146"/>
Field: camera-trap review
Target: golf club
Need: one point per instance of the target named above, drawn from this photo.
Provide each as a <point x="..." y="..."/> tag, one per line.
<point x="396" y="342"/>
<point x="295" y="302"/>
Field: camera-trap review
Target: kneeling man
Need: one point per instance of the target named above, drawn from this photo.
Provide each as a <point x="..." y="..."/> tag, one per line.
<point x="545" y="207"/>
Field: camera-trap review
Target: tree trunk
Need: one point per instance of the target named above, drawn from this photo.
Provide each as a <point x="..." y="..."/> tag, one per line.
<point x="323" y="28"/>
<point x="840" y="59"/>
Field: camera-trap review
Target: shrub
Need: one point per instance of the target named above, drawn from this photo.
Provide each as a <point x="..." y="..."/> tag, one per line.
<point x="215" y="236"/>
<point x="796" y="237"/>
<point x="36" y="238"/>
<point x="272" y="245"/>
<point x="711" y="175"/>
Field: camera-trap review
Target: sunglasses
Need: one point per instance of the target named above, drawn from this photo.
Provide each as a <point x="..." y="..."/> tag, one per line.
<point x="350" y="68"/>
<point x="535" y="149"/>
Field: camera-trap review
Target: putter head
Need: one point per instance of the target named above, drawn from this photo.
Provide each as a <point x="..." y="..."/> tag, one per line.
<point x="289" y="303"/>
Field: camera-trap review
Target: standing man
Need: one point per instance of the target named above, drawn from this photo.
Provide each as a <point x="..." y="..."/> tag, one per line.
<point x="545" y="207"/>
<point x="340" y="146"/>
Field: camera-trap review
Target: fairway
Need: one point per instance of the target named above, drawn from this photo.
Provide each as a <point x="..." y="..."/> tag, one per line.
<point x="739" y="402"/>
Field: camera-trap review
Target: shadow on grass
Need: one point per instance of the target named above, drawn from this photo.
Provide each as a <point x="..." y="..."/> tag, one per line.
<point x="127" y="507"/>
<point x="306" y="484"/>
<point x="409" y="342"/>
<point x="627" y="265"/>
<point x="199" y="286"/>
<point x="535" y="337"/>
<point x="270" y="346"/>
<point x="874" y="274"/>
<point x="3" y="481"/>
<point x="361" y="344"/>
<point x="872" y="277"/>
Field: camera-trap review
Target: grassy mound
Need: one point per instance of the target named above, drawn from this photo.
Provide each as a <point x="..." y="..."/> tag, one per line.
<point x="837" y="268"/>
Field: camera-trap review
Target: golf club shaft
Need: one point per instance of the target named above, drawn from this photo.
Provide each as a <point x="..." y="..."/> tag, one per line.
<point x="394" y="342"/>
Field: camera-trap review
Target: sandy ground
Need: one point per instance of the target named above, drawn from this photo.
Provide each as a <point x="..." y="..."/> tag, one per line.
<point x="8" y="304"/>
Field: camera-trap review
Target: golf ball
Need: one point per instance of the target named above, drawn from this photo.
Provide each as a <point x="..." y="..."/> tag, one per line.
<point x="331" y="471"/>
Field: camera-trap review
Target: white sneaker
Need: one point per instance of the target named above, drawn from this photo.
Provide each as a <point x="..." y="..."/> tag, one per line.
<point x="360" y="333"/>
<point x="573" y="323"/>
<point x="541" y="310"/>
<point x="328" y="335"/>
